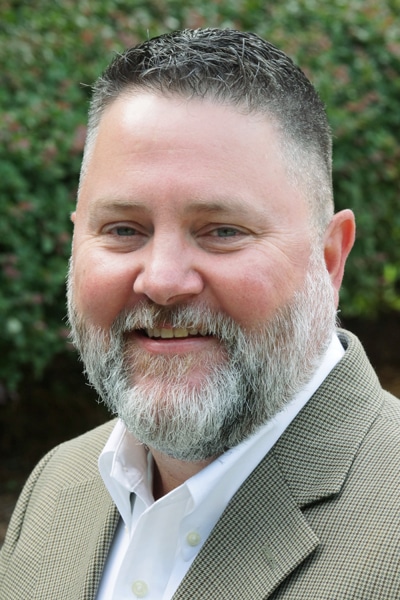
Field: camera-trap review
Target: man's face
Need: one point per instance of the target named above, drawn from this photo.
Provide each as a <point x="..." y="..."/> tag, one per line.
<point x="186" y="205"/>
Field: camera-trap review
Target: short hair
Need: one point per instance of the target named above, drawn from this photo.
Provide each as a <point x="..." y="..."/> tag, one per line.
<point x="242" y="70"/>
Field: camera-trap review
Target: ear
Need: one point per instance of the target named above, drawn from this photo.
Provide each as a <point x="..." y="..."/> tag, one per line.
<point x="73" y="216"/>
<point x="338" y="241"/>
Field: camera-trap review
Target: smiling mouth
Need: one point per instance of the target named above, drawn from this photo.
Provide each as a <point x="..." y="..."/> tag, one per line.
<point x="173" y="332"/>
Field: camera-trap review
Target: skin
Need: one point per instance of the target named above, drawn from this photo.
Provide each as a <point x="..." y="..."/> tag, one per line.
<point x="188" y="201"/>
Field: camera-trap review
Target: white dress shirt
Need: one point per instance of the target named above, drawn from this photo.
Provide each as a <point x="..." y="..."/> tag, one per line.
<point x="156" y="542"/>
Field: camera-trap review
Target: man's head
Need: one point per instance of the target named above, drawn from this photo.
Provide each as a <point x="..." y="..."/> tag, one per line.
<point x="244" y="71"/>
<point x="203" y="286"/>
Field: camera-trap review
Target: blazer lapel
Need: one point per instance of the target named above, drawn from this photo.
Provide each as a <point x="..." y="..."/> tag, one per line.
<point x="261" y="537"/>
<point x="81" y="545"/>
<point x="318" y="449"/>
<point x="98" y="550"/>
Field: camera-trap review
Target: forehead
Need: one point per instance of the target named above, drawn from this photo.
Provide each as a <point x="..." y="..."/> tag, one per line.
<point x="145" y="120"/>
<point x="197" y="147"/>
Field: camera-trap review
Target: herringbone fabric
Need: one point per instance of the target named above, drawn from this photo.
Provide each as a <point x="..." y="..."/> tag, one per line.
<point x="318" y="519"/>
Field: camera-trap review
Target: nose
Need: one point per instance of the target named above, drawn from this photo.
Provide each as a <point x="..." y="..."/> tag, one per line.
<point x="167" y="274"/>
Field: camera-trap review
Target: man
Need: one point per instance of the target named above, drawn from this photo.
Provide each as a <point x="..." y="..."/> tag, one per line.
<point x="255" y="455"/>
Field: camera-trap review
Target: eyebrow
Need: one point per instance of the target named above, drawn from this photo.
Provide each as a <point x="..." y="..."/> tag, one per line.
<point x="219" y="206"/>
<point x="105" y="207"/>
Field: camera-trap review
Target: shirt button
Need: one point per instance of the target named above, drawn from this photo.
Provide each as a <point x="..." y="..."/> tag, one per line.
<point x="193" y="538"/>
<point x="140" y="588"/>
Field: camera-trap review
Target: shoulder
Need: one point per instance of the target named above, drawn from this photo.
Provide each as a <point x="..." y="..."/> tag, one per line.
<point x="69" y="464"/>
<point x="80" y="453"/>
<point x="73" y="460"/>
<point x="62" y="503"/>
<point x="379" y="453"/>
<point x="350" y="425"/>
<point x="356" y="380"/>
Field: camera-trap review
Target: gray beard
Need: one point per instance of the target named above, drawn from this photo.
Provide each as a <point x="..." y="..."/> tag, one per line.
<point x="247" y="381"/>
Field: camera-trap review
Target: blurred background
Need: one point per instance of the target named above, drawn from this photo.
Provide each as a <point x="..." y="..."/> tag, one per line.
<point x="50" y="53"/>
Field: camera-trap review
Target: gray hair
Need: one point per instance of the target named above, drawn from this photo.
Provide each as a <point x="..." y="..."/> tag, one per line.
<point x="239" y="69"/>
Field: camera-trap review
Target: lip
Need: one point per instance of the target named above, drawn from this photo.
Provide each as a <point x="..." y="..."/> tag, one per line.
<point x="175" y="345"/>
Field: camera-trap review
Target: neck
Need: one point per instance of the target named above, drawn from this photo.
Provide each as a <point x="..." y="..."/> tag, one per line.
<point x="170" y="473"/>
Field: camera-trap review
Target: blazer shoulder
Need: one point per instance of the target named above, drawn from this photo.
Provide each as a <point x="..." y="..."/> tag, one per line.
<point x="391" y="407"/>
<point x="78" y="457"/>
<point x="64" y="487"/>
<point x="69" y="464"/>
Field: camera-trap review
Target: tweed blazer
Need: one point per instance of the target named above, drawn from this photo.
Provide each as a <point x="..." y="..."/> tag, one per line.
<point x="319" y="518"/>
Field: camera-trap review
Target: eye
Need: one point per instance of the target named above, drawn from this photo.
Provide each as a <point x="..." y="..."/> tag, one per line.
<point x="224" y="232"/>
<point x="217" y="237"/>
<point x="124" y="231"/>
<point x="124" y="236"/>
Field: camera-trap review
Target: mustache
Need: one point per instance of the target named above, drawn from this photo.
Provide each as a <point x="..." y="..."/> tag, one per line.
<point x="148" y="315"/>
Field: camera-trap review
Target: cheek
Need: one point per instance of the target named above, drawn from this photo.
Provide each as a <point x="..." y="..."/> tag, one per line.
<point x="101" y="292"/>
<point x="242" y="295"/>
<point x="253" y="296"/>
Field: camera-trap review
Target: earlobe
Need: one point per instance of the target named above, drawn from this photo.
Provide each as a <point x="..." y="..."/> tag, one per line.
<point x="73" y="216"/>
<point x="338" y="241"/>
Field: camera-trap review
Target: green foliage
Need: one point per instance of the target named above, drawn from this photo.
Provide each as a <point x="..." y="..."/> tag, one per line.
<point x="51" y="51"/>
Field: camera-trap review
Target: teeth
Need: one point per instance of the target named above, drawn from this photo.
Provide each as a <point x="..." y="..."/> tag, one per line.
<point x="167" y="333"/>
<point x="177" y="332"/>
<point x="180" y="332"/>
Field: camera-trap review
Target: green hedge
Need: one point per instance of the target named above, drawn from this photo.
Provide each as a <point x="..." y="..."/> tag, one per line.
<point x="50" y="53"/>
